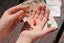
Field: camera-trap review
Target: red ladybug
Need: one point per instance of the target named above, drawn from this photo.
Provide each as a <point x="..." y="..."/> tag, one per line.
<point x="48" y="19"/>
<point x="35" y="22"/>
<point x="28" y="11"/>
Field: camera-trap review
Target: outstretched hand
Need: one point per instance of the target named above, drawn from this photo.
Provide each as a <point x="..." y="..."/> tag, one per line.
<point x="31" y="32"/>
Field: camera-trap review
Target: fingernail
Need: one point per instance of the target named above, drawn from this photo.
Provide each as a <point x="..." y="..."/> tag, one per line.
<point x="54" y="30"/>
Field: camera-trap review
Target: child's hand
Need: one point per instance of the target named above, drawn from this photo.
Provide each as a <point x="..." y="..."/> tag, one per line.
<point x="11" y="18"/>
<point x="31" y="32"/>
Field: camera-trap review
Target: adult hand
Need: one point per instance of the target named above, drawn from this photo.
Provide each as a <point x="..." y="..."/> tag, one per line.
<point x="10" y="19"/>
<point x="31" y="32"/>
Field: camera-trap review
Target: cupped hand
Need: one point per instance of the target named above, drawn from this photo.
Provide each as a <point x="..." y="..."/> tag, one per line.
<point x="33" y="32"/>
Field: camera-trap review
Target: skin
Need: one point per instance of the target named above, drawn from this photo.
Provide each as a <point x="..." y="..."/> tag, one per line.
<point x="10" y="19"/>
<point x="29" y="32"/>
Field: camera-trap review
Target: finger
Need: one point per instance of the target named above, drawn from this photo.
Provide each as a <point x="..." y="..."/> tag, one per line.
<point x="40" y="7"/>
<point x="18" y="14"/>
<point x="41" y="15"/>
<point x="46" y="31"/>
<point x="42" y="12"/>
<point x="21" y="17"/>
<point x="33" y="14"/>
<point x="17" y="8"/>
<point x="43" y="7"/>
<point x="45" y="17"/>
<point x="38" y="12"/>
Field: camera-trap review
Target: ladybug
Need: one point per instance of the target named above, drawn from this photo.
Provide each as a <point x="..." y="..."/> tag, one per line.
<point x="35" y="22"/>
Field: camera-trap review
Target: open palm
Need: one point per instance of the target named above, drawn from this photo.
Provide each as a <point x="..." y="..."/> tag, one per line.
<point x="36" y="31"/>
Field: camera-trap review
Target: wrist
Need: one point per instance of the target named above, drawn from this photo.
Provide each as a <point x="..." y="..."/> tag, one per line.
<point x="23" y="39"/>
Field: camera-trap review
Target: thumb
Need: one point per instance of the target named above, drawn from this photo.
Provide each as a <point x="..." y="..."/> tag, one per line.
<point x="46" y="31"/>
